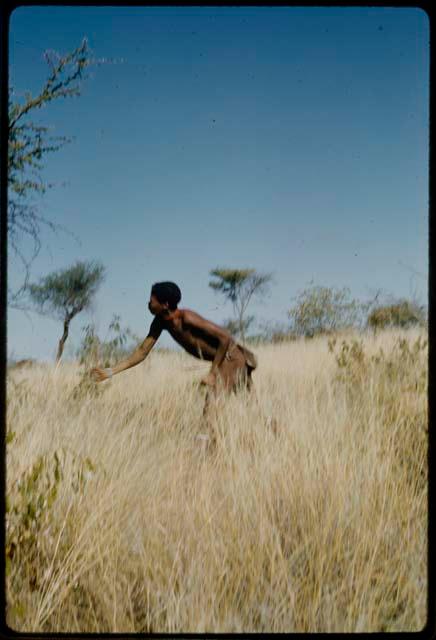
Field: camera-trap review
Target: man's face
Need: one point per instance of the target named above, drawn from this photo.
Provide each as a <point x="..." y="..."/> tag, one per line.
<point x="155" y="307"/>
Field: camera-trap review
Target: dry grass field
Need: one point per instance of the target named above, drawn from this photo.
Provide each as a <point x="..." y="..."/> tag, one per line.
<point x="119" y="520"/>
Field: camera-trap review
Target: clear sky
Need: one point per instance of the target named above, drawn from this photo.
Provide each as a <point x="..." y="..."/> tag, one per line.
<point x="290" y="140"/>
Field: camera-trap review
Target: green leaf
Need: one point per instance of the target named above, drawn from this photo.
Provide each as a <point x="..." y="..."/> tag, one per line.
<point x="18" y="609"/>
<point x="31" y="512"/>
<point x="89" y="465"/>
<point x="57" y="474"/>
<point x="52" y="496"/>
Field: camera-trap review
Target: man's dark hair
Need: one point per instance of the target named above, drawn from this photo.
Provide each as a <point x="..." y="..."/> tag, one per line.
<point x="167" y="292"/>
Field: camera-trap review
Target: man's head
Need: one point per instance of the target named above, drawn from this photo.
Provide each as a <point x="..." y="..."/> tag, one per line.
<point x="165" y="296"/>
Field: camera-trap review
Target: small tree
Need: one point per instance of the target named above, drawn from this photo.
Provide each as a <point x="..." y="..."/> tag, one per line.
<point x="65" y="293"/>
<point x="239" y="286"/>
<point x="324" y="310"/>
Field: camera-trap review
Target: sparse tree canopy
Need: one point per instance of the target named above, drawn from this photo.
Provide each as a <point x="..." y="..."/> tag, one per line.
<point x="65" y="293"/>
<point x="28" y="144"/>
<point x="239" y="286"/>
<point x="324" y="310"/>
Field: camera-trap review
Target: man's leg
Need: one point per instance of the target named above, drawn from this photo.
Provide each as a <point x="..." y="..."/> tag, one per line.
<point x="227" y="379"/>
<point x="208" y="402"/>
<point x="209" y="414"/>
<point x="233" y="374"/>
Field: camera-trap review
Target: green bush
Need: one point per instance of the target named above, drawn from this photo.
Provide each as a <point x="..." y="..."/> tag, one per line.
<point x="402" y="314"/>
<point x="324" y="310"/>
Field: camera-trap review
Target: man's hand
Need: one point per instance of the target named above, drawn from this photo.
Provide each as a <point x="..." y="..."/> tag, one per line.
<point x="209" y="380"/>
<point x="100" y="374"/>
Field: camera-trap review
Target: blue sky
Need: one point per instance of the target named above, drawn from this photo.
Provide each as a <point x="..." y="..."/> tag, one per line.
<point x="290" y="140"/>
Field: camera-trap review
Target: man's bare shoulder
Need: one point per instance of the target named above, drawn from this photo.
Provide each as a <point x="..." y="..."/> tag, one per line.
<point x="188" y="315"/>
<point x="193" y="318"/>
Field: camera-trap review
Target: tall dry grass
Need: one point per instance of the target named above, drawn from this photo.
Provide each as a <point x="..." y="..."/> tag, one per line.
<point x="119" y="521"/>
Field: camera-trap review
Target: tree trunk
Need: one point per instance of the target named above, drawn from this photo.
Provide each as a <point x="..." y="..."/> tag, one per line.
<point x="241" y="328"/>
<point x="63" y="339"/>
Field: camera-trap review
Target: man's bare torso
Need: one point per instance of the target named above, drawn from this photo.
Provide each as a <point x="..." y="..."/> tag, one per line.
<point x="197" y="342"/>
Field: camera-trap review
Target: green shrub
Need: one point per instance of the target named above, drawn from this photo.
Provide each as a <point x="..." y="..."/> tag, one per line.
<point x="324" y="310"/>
<point x="402" y="314"/>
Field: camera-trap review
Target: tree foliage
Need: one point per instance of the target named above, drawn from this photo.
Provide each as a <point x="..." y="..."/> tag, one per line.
<point x="28" y="145"/>
<point x="239" y="286"/>
<point x="324" y="310"/>
<point x="65" y="293"/>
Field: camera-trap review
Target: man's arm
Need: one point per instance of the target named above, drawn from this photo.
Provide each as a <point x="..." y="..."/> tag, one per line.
<point x="209" y="328"/>
<point x="137" y="356"/>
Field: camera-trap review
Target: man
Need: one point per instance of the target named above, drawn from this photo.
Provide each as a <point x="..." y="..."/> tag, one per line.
<point x="232" y="364"/>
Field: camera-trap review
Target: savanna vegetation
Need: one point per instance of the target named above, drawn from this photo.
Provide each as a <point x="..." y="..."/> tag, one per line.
<point x="309" y="515"/>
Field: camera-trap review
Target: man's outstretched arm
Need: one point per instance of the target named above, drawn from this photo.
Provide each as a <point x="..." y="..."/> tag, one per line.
<point x="135" y="358"/>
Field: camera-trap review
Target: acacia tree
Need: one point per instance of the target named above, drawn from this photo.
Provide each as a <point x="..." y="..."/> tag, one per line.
<point x="239" y="286"/>
<point x="65" y="293"/>
<point x="28" y="144"/>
